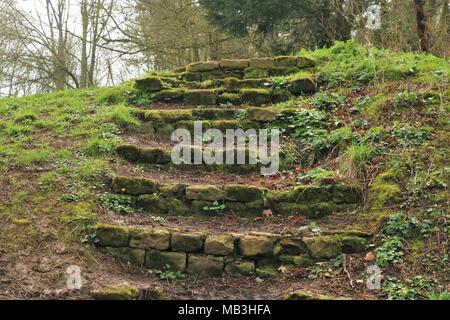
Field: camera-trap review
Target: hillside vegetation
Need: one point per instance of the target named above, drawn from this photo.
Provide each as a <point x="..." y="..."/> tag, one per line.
<point x="380" y="120"/>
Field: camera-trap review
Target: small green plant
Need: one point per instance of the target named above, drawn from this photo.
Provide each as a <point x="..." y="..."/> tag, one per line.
<point x="167" y="274"/>
<point x="325" y="101"/>
<point x="418" y="287"/>
<point x="216" y="207"/>
<point x="356" y="159"/>
<point x="320" y="272"/>
<point x="317" y="175"/>
<point x="390" y="251"/>
<point x="90" y="236"/>
<point x="403" y="226"/>
<point x="121" y="204"/>
<point x="408" y="136"/>
<point x="407" y="99"/>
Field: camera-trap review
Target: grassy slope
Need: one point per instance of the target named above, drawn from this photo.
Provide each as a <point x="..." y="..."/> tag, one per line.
<point x="388" y="110"/>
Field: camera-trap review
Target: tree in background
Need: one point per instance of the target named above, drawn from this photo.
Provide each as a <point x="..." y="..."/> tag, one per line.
<point x="172" y="33"/>
<point x="307" y="23"/>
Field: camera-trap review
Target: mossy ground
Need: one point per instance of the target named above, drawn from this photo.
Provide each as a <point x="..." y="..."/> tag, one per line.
<point x="57" y="156"/>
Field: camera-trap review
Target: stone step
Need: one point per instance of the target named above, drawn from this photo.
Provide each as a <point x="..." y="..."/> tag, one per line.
<point x="163" y="122"/>
<point x="162" y="157"/>
<point x="230" y="91"/>
<point x="213" y="254"/>
<point x="159" y="198"/>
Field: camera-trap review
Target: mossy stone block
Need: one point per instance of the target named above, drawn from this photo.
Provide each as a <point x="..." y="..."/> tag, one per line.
<point x="239" y="64"/>
<point x="252" y="246"/>
<point x="169" y="95"/>
<point x="117" y="293"/>
<point x="155" y="156"/>
<point x="243" y="193"/>
<point x="235" y="85"/>
<point x="205" y="265"/>
<point x="305" y="62"/>
<point x="191" y="76"/>
<point x="203" y="66"/>
<point x="173" y="190"/>
<point x="325" y="247"/>
<point x="285" y="61"/>
<point x="262" y="63"/>
<point x="261" y="114"/>
<point x="230" y="98"/>
<point x="213" y="113"/>
<point x="158" y="260"/>
<point x="255" y="73"/>
<point x="200" y="97"/>
<point x="128" y="152"/>
<point x="219" y="245"/>
<point x="382" y="195"/>
<point x="188" y="241"/>
<point x="214" y="75"/>
<point x="204" y="192"/>
<point x="176" y="207"/>
<point x="352" y="244"/>
<point x="281" y="95"/>
<point x="240" y="267"/>
<point x="302" y="261"/>
<point x="290" y="246"/>
<point x="152" y="203"/>
<point x="302" y="85"/>
<point x="149" y="84"/>
<point x="158" y="239"/>
<point x="256" y="97"/>
<point x="112" y="235"/>
<point x="311" y="210"/>
<point x="134" y="186"/>
<point x="131" y="255"/>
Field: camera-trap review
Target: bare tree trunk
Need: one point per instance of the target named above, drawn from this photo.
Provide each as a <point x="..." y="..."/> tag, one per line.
<point x="422" y="30"/>
<point x="84" y="43"/>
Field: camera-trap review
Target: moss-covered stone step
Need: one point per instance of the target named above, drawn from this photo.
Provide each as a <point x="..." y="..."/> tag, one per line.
<point x="162" y="156"/>
<point x="162" y="123"/>
<point x="179" y="199"/>
<point x="214" y="254"/>
<point x="229" y="91"/>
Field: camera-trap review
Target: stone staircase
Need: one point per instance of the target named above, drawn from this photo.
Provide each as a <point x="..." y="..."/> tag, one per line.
<point x="230" y="94"/>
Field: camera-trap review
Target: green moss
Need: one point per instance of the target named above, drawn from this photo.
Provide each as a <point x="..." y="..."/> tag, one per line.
<point x="240" y="267"/>
<point x="255" y="73"/>
<point x="384" y="191"/>
<point x="325" y="247"/>
<point x="301" y="85"/>
<point x="243" y="193"/>
<point x="305" y="62"/>
<point x="155" y="156"/>
<point x="296" y="261"/>
<point x="176" y="190"/>
<point x="230" y="98"/>
<point x="256" y="96"/>
<point x="149" y="84"/>
<point x="213" y="114"/>
<point x="169" y="95"/>
<point x="200" y="97"/>
<point x="312" y="210"/>
<point x="158" y="260"/>
<point x="117" y="293"/>
<point x="152" y="203"/>
<point x="134" y="186"/>
<point x="286" y="61"/>
<point x="166" y="116"/>
<point x="205" y="193"/>
<point x="191" y="76"/>
<point x="128" y="152"/>
<point x="235" y="85"/>
<point x="205" y="265"/>
<point x="112" y="235"/>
